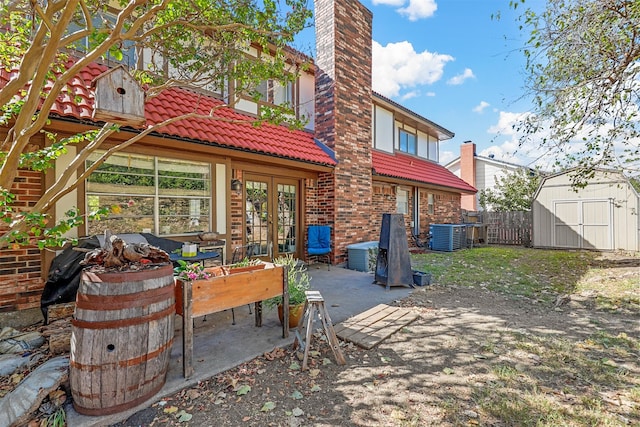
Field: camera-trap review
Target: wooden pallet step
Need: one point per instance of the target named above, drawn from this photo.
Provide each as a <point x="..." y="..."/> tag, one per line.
<point x="375" y="325"/>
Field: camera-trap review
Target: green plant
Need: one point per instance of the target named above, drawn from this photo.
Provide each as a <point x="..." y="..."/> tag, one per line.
<point x="245" y="262"/>
<point x="190" y="271"/>
<point x="298" y="281"/>
<point x="57" y="419"/>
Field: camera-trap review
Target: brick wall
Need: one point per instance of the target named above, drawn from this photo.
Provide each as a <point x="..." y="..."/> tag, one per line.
<point x="446" y="209"/>
<point x="21" y="282"/>
<point x="343" y="116"/>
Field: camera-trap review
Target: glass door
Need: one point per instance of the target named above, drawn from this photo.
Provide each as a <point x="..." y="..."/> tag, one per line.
<point x="272" y="219"/>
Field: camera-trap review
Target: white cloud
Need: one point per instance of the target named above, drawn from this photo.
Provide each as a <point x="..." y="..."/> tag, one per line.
<point x="510" y="150"/>
<point x="506" y="122"/>
<point x="418" y="9"/>
<point x="480" y="107"/>
<point x="460" y="78"/>
<point x="409" y="95"/>
<point x="398" y="66"/>
<point x="447" y="156"/>
<point x="430" y="94"/>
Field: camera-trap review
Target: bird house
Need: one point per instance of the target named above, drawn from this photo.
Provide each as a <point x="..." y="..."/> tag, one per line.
<point x="118" y="98"/>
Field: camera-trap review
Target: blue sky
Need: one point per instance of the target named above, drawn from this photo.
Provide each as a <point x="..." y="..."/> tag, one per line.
<point x="451" y="62"/>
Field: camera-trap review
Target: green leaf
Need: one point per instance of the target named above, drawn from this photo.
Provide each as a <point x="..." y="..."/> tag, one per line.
<point x="296" y="395"/>
<point x="183" y="416"/>
<point x="243" y="390"/>
<point x="268" y="406"/>
<point x="448" y="371"/>
<point x="294" y="366"/>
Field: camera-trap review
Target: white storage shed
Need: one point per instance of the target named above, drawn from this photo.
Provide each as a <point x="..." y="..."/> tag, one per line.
<point x="602" y="216"/>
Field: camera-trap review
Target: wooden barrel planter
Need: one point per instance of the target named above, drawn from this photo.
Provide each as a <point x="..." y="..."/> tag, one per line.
<point x="121" y="339"/>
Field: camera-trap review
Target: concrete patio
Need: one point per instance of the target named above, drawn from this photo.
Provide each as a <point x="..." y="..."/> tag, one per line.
<point x="219" y="345"/>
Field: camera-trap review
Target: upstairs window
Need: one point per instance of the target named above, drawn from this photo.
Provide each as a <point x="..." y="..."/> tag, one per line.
<point x="274" y="92"/>
<point x="407" y="142"/>
<point x="103" y="19"/>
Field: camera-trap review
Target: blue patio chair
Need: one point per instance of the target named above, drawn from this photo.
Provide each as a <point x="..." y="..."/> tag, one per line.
<point x="319" y="242"/>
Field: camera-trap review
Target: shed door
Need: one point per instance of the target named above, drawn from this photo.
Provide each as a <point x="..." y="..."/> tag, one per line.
<point x="583" y="224"/>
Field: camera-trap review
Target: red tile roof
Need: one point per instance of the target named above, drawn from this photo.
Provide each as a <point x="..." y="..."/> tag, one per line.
<point x="403" y="166"/>
<point x="267" y="139"/>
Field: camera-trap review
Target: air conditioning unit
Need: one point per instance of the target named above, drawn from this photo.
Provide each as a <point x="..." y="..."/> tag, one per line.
<point x="447" y="237"/>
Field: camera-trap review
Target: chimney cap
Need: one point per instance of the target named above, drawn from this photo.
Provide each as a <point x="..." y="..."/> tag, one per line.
<point x="466" y="142"/>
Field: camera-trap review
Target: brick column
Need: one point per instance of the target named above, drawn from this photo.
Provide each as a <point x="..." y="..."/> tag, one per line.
<point x="343" y="109"/>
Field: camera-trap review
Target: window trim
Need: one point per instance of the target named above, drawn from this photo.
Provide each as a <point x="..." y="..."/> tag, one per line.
<point x="157" y="195"/>
<point x="406" y="201"/>
<point x="414" y="136"/>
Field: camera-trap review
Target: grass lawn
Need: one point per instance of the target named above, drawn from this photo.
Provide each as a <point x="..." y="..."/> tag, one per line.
<point x="535" y="273"/>
<point x="532" y="378"/>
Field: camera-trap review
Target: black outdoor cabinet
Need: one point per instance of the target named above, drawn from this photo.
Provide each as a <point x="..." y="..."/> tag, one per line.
<point x="393" y="265"/>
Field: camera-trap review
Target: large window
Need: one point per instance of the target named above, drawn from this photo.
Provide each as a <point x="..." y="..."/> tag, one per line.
<point x="407" y="142"/>
<point x="150" y="194"/>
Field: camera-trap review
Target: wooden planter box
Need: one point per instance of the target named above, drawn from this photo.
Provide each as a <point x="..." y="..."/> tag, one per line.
<point x="229" y="288"/>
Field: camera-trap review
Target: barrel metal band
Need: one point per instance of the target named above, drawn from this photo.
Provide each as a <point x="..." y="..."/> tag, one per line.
<point x="122" y="363"/>
<point x="123" y="406"/>
<point x="118" y="302"/>
<point x="119" y="323"/>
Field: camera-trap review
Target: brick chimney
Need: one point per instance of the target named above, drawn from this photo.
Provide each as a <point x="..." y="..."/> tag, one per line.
<point x="468" y="174"/>
<point x="343" y="110"/>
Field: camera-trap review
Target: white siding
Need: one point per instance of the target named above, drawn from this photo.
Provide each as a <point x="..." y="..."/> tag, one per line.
<point x="70" y="200"/>
<point x="247" y="106"/>
<point x="423" y="145"/>
<point x="603" y="215"/>
<point x="384" y="129"/>
<point x="306" y="99"/>
<point x="487" y="175"/>
<point x="221" y="198"/>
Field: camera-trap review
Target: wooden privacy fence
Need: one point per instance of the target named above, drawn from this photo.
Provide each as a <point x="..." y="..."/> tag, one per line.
<point x="509" y="228"/>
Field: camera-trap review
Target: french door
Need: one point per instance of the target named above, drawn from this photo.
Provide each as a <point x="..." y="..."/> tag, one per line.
<point x="272" y="212"/>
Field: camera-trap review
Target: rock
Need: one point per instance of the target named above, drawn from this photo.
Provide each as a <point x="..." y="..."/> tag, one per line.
<point x="18" y="405"/>
<point x="471" y="414"/>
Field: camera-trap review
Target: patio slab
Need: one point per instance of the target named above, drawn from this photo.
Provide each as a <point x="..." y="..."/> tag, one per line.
<point x="219" y="345"/>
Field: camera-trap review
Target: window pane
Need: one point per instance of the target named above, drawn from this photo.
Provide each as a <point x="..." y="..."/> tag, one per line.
<point x="183" y="215"/>
<point x="182" y="178"/>
<point x="131" y="214"/>
<point x="402" y="201"/>
<point x="411" y="144"/>
<point x="124" y="174"/>
<point x="407" y="142"/>
<point x="256" y="212"/>
<point x="286" y="218"/>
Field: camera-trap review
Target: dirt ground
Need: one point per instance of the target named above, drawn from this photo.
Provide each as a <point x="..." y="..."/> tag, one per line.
<point x="473" y="357"/>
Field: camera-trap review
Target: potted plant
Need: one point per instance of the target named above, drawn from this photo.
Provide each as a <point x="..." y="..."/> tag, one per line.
<point x="298" y="282"/>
